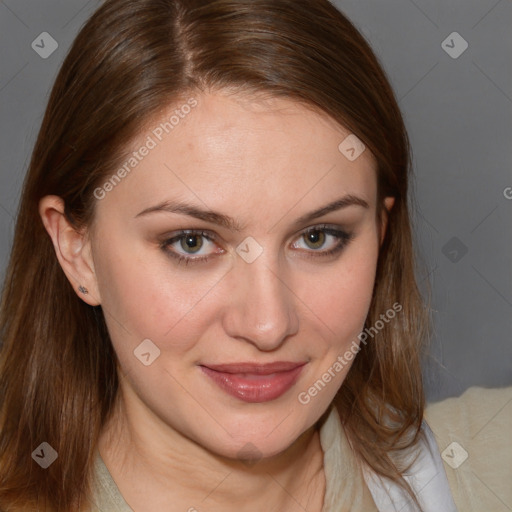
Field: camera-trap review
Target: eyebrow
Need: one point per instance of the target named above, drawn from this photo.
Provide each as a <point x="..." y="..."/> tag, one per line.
<point x="231" y="224"/>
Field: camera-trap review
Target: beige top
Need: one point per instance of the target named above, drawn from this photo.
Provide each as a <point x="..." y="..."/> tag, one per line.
<point x="343" y="492"/>
<point x="474" y="434"/>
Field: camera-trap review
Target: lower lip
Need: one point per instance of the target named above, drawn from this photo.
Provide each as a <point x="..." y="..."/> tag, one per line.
<point x="255" y="388"/>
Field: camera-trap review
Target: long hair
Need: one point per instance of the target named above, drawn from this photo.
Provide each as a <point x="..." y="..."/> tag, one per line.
<point x="58" y="381"/>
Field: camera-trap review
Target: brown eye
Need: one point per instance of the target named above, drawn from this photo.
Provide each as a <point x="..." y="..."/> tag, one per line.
<point x="191" y="243"/>
<point x="322" y="241"/>
<point x="191" y="246"/>
<point x="314" y="239"/>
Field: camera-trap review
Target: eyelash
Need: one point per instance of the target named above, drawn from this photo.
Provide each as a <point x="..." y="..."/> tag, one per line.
<point x="343" y="240"/>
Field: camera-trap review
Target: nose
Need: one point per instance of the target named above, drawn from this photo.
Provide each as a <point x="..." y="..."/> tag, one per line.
<point x="262" y="308"/>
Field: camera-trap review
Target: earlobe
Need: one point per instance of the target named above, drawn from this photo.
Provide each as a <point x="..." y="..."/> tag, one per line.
<point x="388" y="204"/>
<point x="72" y="249"/>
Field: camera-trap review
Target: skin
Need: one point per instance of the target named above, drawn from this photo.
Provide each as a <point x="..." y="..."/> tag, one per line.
<point x="175" y="439"/>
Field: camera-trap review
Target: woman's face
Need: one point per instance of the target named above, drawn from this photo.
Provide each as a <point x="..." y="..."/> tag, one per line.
<point x="220" y="332"/>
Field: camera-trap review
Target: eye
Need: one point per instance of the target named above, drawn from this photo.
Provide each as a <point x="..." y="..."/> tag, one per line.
<point x="191" y="242"/>
<point x="194" y="246"/>
<point x="323" y="241"/>
<point x="191" y="246"/>
<point x="315" y="239"/>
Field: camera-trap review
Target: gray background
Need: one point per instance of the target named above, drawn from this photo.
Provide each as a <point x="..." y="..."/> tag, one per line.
<point x="459" y="116"/>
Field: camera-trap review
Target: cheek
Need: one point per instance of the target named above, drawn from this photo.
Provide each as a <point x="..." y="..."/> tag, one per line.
<point x="341" y="303"/>
<point x="145" y="295"/>
<point x="341" y="297"/>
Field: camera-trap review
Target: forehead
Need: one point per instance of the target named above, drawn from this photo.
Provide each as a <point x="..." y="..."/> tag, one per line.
<point x="221" y="149"/>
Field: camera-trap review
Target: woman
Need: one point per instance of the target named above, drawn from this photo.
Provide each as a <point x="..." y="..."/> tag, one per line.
<point x="211" y="302"/>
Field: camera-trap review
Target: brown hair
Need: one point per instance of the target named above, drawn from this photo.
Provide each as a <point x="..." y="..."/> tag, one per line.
<point x="58" y="380"/>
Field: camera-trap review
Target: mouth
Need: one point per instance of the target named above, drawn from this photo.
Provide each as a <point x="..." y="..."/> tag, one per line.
<point x="255" y="383"/>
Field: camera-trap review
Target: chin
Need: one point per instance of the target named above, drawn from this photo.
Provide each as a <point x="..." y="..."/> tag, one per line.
<point x="252" y="440"/>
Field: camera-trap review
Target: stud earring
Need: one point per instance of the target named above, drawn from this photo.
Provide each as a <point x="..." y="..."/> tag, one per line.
<point x="83" y="290"/>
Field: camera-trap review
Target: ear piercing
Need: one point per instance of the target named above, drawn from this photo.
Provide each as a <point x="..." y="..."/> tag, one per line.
<point x="83" y="290"/>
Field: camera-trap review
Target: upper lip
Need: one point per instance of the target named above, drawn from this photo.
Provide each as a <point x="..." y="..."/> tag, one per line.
<point x="254" y="368"/>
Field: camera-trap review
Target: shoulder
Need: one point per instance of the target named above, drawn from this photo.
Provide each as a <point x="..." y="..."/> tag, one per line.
<point x="468" y="411"/>
<point x="473" y="434"/>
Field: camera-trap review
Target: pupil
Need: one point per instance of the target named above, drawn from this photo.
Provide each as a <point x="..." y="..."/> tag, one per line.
<point x="193" y="242"/>
<point x="315" y="239"/>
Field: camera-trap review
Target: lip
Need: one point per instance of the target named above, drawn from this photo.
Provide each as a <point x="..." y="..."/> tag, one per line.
<point x="255" y="383"/>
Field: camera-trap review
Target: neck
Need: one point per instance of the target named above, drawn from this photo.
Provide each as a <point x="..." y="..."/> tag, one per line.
<point x="157" y="468"/>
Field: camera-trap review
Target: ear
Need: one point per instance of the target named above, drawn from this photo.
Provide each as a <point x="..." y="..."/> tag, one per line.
<point x="388" y="204"/>
<point x="73" y="249"/>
